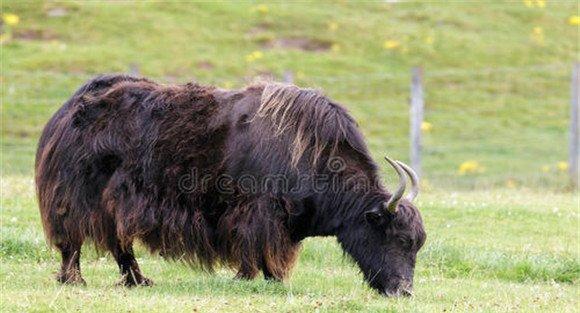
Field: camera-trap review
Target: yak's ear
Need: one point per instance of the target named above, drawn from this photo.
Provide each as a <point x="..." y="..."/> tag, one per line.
<point x="375" y="217"/>
<point x="379" y="215"/>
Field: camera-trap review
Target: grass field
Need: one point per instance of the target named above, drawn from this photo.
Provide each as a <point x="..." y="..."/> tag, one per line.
<point x="504" y="236"/>
<point x="486" y="251"/>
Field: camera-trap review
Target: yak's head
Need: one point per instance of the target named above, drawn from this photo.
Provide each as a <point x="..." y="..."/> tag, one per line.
<point x="385" y="238"/>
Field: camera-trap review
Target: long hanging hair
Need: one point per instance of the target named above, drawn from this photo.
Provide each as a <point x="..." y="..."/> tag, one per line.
<point x="315" y="122"/>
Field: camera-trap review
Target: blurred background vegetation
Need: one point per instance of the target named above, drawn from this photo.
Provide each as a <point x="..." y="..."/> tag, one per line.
<point x="497" y="74"/>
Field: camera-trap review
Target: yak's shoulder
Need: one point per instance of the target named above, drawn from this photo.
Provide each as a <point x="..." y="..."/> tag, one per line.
<point x="176" y="104"/>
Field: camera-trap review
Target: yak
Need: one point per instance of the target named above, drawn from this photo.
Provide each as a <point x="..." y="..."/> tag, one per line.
<point x="209" y="176"/>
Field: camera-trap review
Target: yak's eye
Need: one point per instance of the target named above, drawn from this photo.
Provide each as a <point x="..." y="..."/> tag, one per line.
<point x="406" y="242"/>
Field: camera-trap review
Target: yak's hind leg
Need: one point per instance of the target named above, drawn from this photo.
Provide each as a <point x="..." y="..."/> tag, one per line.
<point x="130" y="272"/>
<point x="70" y="271"/>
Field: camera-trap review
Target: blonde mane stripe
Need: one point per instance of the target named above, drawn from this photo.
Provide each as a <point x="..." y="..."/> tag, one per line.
<point x="302" y="113"/>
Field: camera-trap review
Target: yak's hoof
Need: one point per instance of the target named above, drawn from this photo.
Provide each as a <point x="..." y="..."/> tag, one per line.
<point x="129" y="280"/>
<point x="273" y="279"/>
<point x="71" y="278"/>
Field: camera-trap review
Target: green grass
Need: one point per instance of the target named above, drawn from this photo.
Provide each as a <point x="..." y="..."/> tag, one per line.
<point x="505" y="239"/>
<point x="486" y="251"/>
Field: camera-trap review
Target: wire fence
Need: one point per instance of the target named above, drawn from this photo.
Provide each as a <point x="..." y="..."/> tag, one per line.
<point x="485" y="127"/>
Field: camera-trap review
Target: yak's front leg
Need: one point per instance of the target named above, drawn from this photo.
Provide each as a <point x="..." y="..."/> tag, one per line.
<point x="277" y="266"/>
<point x="268" y="275"/>
<point x="247" y="271"/>
<point x="245" y="274"/>
<point x="255" y="237"/>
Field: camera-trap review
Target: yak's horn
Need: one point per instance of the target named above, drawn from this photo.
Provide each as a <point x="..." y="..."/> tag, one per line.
<point x="393" y="202"/>
<point x="414" y="181"/>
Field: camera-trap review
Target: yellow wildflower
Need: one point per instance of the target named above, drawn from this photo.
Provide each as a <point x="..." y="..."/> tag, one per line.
<point x="261" y="8"/>
<point x="429" y="40"/>
<point x="538" y="35"/>
<point x="574" y="20"/>
<point x="300" y="75"/>
<point x="470" y="167"/>
<point x="10" y="19"/>
<point x="426" y="127"/>
<point x="391" y="44"/>
<point x="510" y="183"/>
<point x="562" y="166"/>
<point x="335" y="47"/>
<point x="254" y="56"/>
<point x="332" y="26"/>
<point x="535" y="3"/>
<point x="546" y="168"/>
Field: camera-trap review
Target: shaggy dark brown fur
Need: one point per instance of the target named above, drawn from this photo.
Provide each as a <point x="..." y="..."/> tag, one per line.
<point x="210" y="176"/>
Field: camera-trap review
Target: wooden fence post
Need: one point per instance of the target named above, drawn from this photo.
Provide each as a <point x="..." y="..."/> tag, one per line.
<point x="574" y="121"/>
<point x="417" y="104"/>
<point x="134" y="69"/>
<point x="288" y="77"/>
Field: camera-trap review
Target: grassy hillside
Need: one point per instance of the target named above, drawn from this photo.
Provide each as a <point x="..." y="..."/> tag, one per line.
<point x="497" y="79"/>
<point x="497" y="73"/>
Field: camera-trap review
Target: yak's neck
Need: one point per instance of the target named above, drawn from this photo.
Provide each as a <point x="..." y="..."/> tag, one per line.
<point x="334" y="211"/>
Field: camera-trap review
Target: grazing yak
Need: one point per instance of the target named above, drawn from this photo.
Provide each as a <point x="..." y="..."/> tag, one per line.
<point x="211" y="176"/>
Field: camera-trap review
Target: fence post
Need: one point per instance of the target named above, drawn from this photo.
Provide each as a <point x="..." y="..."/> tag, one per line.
<point x="574" y="121"/>
<point x="417" y="104"/>
<point x="134" y="69"/>
<point x="288" y="77"/>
